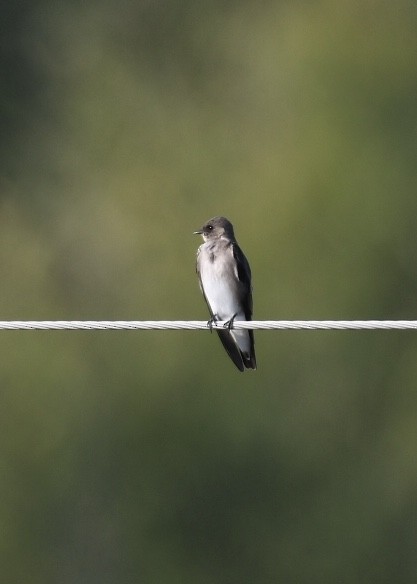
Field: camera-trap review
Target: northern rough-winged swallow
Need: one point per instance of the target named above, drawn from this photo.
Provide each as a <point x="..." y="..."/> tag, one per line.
<point x="225" y="280"/>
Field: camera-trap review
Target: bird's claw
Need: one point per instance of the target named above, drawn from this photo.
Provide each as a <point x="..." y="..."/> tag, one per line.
<point x="211" y="322"/>
<point x="229" y="323"/>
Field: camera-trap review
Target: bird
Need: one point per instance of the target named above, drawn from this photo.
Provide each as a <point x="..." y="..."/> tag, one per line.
<point x="225" y="281"/>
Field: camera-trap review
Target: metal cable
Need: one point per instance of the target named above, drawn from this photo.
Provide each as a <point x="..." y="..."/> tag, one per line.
<point x="202" y="325"/>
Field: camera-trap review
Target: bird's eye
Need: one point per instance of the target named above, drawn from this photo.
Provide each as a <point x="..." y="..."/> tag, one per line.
<point x="209" y="227"/>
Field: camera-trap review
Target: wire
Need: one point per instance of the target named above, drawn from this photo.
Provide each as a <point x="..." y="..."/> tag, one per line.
<point x="203" y="325"/>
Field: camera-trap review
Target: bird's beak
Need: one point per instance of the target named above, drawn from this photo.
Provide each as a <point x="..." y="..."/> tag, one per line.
<point x="199" y="232"/>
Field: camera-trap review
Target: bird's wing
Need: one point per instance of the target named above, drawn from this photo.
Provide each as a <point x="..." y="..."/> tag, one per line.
<point x="243" y="274"/>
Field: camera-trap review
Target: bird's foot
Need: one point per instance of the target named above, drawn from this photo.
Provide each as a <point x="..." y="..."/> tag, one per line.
<point x="210" y="322"/>
<point x="229" y="323"/>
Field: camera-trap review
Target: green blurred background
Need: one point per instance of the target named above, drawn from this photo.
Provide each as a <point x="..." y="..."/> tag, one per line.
<point x="146" y="456"/>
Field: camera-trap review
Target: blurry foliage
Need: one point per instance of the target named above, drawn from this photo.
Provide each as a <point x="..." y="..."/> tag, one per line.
<point x="144" y="456"/>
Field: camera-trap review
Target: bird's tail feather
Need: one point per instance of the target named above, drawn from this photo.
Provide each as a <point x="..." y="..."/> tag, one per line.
<point x="231" y="348"/>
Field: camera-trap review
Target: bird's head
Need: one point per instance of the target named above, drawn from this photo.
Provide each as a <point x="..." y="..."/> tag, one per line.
<point x="216" y="228"/>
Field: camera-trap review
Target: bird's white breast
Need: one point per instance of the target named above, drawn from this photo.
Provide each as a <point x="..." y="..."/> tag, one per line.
<point x="220" y="283"/>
